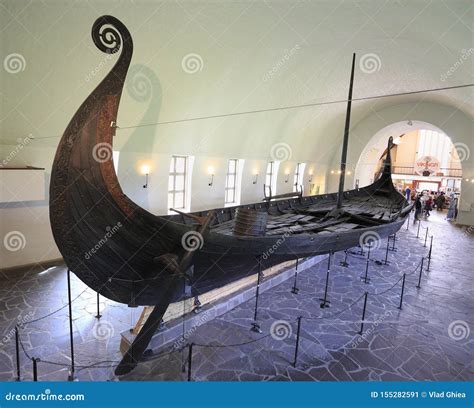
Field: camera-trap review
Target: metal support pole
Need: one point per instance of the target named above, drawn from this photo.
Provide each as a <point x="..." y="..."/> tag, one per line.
<point x="421" y="273"/>
<point x="365" y="278"/>
<point x="190" y="360"/>
<point x="344" y="263"/>
<point x="418" y="231"/>
<point x="35" y="368"/>
<point x="385" y="262"/>
<point x="429" y="254"/>
<point x="426" y="237"/>
<point x="394" y="237"/>
<point x="324" y="301"/>
<point x="297" y="340"/>
<point x="98" y="315"/>
<point x="17" y="351"/>
<point x="401" y="294"/>
<point x="71" y="337"/>
<point x="255" y="326"/>
<point x="295" y="289"/>
<point x="363" y="313"/>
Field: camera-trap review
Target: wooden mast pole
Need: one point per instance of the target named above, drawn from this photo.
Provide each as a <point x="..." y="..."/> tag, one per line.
<point x="346" y="137"/>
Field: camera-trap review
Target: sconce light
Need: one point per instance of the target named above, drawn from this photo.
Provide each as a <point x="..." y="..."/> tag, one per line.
<point x="145" y="169"/>
<point x="332" y="171"/>
<point x="287" y="175"/>
<point x="348" y="173"/>
<point x="339" y="172"/>
<point x="310" y="176"/>
<point x="210" y="171"/>
<point x="256" y="178"/>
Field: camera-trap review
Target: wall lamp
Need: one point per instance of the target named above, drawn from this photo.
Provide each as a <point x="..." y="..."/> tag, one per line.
<point x="310" y="179"/>
<point x="145" y="169"/>
<point x="255" y="179"/>
<point x="210" y="171"/>
<point x="287" y="176"/>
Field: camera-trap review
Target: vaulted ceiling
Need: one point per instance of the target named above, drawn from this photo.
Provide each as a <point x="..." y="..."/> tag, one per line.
<point x="194" y="59"/>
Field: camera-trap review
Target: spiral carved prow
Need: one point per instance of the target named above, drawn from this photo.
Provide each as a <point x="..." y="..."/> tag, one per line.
<point x="109" y="33"/>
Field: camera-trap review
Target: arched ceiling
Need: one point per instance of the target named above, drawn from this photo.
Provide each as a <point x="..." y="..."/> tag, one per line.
<point x="250" y="55"/>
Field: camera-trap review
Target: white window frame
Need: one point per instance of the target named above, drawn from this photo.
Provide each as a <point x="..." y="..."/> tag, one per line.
<point x="298" y="177"/>
<point x="271" y="177"/>
<point x="172" y="189"/>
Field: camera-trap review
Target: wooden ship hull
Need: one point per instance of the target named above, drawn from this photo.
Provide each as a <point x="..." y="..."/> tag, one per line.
<point x="131" y="256"/>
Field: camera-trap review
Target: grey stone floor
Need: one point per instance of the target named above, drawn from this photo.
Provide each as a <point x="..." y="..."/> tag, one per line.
<point x="429" y="339"/>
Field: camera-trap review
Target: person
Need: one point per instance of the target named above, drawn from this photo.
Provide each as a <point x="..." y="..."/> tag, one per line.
<point x="408" y="194"/>
<point x="418" y="207"/>
<point x="452" y="210"/>
<point x="428" y="206"/>
<point x="440" y="200"/>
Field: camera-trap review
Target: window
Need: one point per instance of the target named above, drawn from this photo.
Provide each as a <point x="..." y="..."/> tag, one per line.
<point x="231" y="182"/>
<point x="298" y="179"/>
<point x="270" y="177"/>
<point x="177" y="182"/>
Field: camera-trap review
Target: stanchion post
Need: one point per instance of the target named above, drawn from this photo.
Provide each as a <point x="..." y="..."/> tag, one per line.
<point x="255" y="326"/>
<point x="298" y="328"/>
<point x="344" y="263"/>
<point x="365" y="277"/>
<point x="295" y="289"/>
<point x="324" y="301"/>
<point x="393" y="249"/>
<point x="426" y="236"/>
<point x="35" y="369"/>
<point x="385" y="262"/>
<point x="401" y="294"/>
<point x="98" y="315"/>
<point x="421" y="273"/>
<point x="190" y="360"/>
<point x="71" y="336"/>
<point x="17" y="352"/>
<point x="429" y="254"/>
<point x="363" y="313"/>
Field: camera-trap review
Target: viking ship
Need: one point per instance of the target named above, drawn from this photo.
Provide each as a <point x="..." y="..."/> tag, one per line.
<point x="132" y="256"/>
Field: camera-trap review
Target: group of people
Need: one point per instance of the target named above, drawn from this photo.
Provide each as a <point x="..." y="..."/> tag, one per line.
<point x="426" y="201"/>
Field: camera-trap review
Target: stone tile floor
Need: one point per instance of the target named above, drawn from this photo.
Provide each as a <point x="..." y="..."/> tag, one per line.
<point x="429" y="339"/>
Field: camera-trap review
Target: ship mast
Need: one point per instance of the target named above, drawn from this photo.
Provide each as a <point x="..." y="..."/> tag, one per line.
<point x="346" y="138"/>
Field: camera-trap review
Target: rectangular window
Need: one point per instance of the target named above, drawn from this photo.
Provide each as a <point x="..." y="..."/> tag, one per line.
<point x="177" y="182"/>
<point x="298" y="179"/>
<point x="231" y="182"/>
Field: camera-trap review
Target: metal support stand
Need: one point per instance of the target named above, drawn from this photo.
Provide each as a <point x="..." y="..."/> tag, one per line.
<point x="71" y="336"/>
<point x="190" y="360"/>
<point x="385" y="261"/>
<point x="421" y="273"/>
<point x="401" y="294"/>
<point x="361" y="250"/>
<point x="344" y="263"/>
<point x="363" y="313"/>
<point x="426" y="237"/>
<point x="255" y="326"/>
<point x="98" y="315"/>
<point x="394" y="238"/>
<point x="418" y="231"/>
<point x="297" y="341"/>
<point x="295" y="289"/>
<point x="365" y="278"/>
<point x="429" y="254"/>
<point x="325" y="302"/>
<point x="17" y="352"/>
<point x="35" y="368"/>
